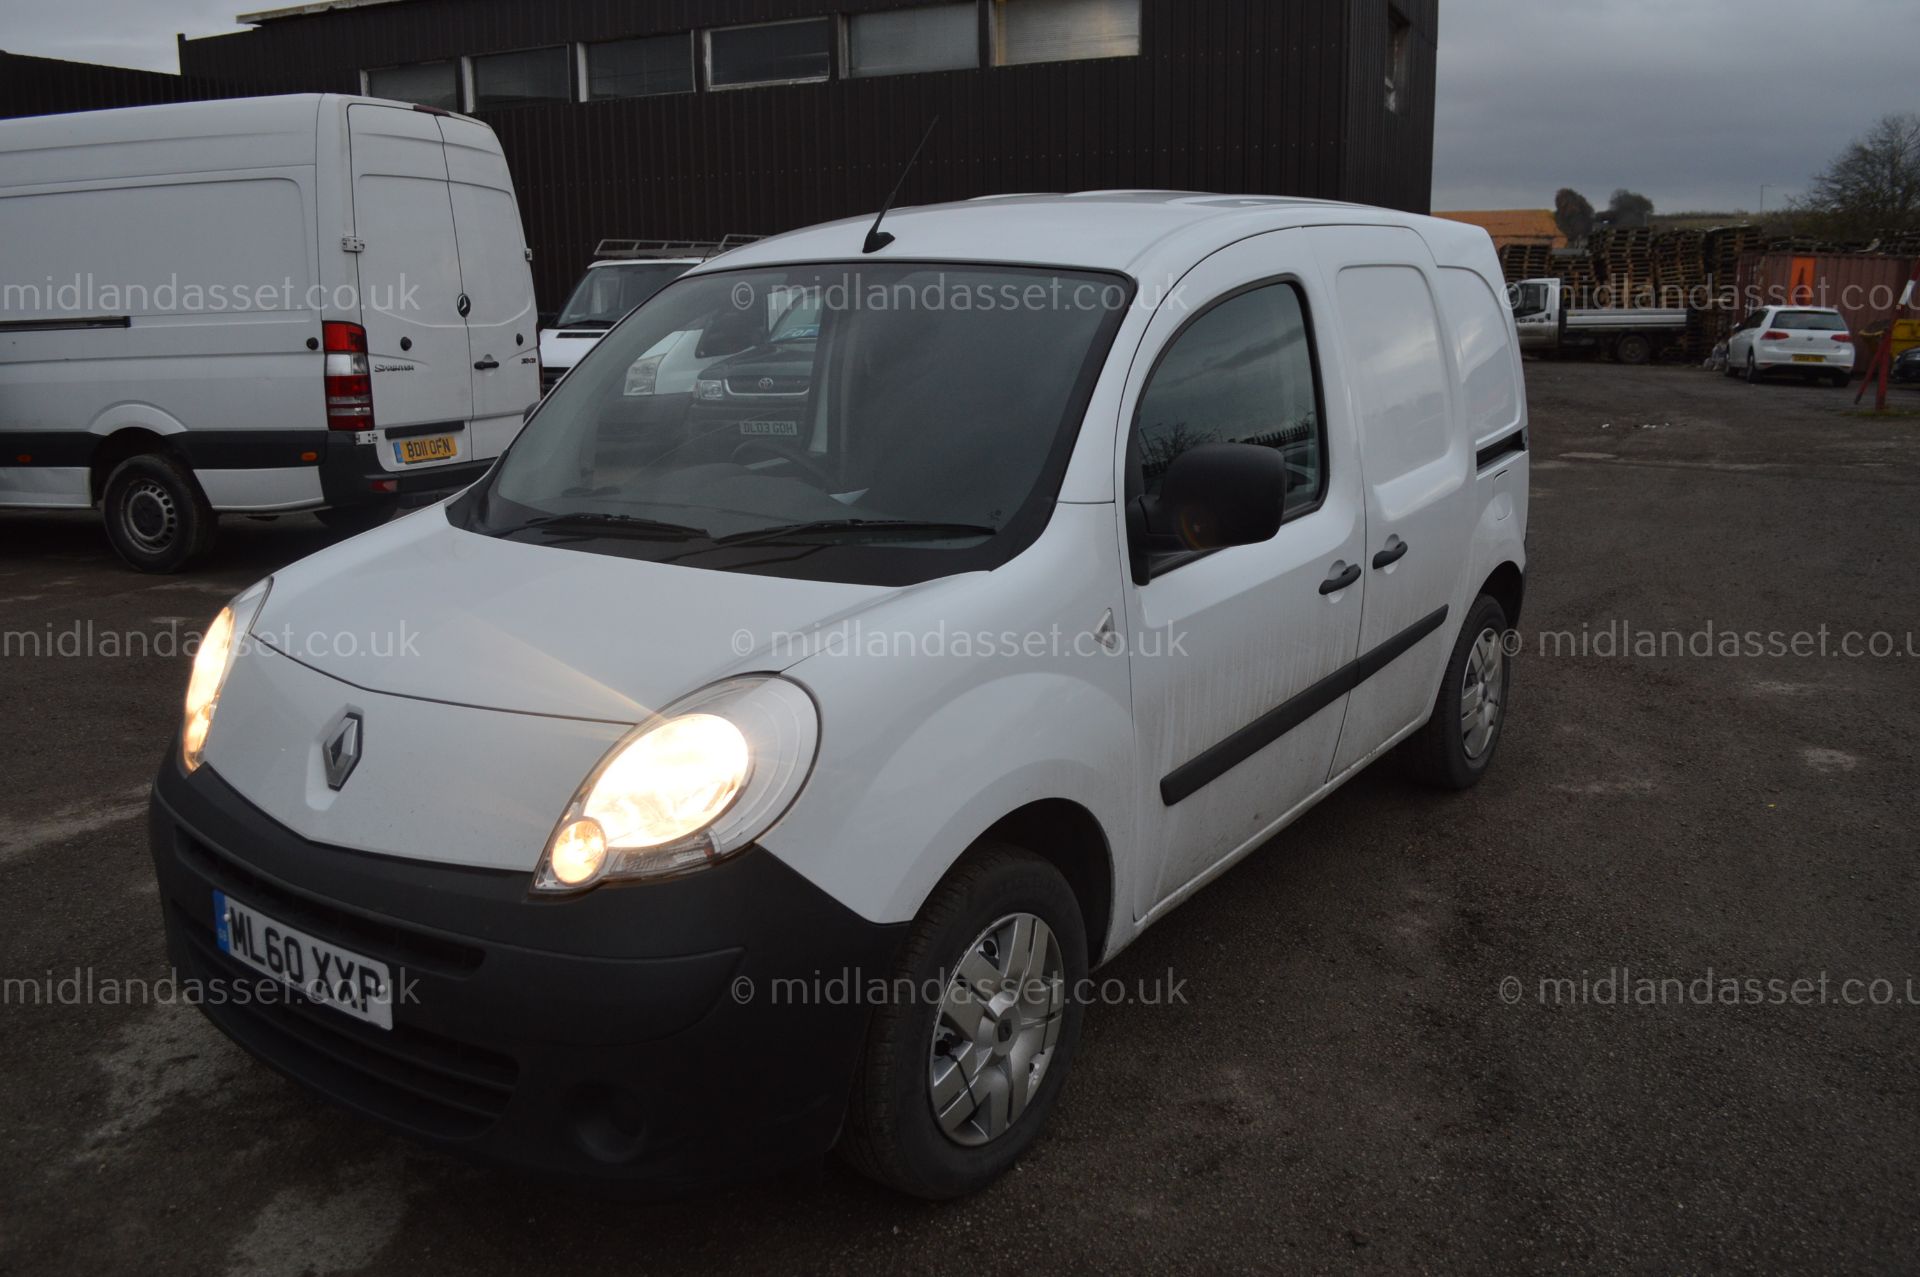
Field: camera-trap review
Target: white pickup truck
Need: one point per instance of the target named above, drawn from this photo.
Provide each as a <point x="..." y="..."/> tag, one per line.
<point x="1629" y="335"/>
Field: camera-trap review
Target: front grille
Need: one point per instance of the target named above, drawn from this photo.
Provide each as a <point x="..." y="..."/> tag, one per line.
<point x="767" y="385"/>
<point x="397" y="945"/>
<point x="419" y="1080"/>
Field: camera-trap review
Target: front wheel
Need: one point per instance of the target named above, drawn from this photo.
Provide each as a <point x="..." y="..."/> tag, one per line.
<point x="157" y="518"/>
<point x="949" y="1094"/>
<point x="1455" y="748"/>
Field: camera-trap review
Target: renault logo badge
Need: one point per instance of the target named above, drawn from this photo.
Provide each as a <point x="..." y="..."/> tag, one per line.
<point x="340" y="751"/>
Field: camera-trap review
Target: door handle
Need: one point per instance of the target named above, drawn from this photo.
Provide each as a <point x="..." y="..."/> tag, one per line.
<point x="1340" y="580"/>
<point x="487" y="365"/>
<point x="1396" y="550"/>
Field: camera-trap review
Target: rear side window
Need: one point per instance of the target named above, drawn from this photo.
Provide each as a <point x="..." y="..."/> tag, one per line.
<point x="1810" y="321"/>
<point x="1243" y="372"/>
<point x="1484" y="352"/>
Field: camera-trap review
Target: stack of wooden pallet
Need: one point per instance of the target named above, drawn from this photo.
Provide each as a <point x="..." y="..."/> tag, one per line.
<point x="1680" y="268"/>
<point x="1526" y="261"/>
<point x="1623" y="260"/>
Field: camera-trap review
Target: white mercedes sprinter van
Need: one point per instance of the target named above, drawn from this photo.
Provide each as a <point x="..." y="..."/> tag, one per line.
<point x="797" y="755"/>
<point x="256" y="306"/>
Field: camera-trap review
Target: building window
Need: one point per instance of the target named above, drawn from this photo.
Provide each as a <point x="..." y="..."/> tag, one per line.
<point x="1399" y="40"/>
<point x="778" y="53"/>
<point x="514" y="79"/>
<point x="640" y="68"/>
<point x="941" y="38"/>
<point x="1064" y="30"/>
<point x="426" y="83"/>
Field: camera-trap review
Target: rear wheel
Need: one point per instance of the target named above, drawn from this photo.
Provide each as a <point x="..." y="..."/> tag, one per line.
<point x="157" y="518"/>
<point x="1455" y="748"/>
<point x="1753" y="370"/>
<point x="1839" y="380"/>
<point x="1633" y="349"/>
<point x="949" y="1094"/>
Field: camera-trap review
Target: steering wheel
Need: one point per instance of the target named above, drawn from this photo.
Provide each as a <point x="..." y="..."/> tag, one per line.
<point x="791" y="454"/>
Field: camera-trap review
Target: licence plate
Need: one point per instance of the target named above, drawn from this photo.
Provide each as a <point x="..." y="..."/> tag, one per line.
<point x="324" y="973"/>
<point x="1809" y="359"/>
<point x="428" y="448"/>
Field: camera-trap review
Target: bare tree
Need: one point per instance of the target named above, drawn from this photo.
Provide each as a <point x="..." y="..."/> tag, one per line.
<point x="1873" y="185"/>
<point x="1573" y="214"/>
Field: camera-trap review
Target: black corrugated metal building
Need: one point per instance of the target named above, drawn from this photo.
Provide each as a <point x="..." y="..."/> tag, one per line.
<point x="692" y="119"/>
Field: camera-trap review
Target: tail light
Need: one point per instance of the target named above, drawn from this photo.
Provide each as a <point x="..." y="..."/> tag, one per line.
<point x="1846" y="337"/>
<point x="349" y="379"/>
<point x="1775" y="335"/>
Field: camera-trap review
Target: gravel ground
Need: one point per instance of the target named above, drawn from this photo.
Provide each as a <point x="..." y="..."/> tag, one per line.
<point x="1367" y="1070"/>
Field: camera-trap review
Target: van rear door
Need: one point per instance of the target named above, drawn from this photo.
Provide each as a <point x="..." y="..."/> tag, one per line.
<point x="502" y="323"/>
<point x="409" y="273"/>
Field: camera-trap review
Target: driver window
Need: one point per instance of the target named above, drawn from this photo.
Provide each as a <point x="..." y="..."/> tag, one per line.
<point x="1241" y="373"/>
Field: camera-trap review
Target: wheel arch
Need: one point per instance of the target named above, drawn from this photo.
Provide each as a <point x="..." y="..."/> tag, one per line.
<point x="1068" y="836"/>
<point x="1508" y="586"/>
<point x="126" y="442"/>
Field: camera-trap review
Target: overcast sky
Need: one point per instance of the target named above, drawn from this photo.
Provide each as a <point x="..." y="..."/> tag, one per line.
<point x="1694" y="103"/>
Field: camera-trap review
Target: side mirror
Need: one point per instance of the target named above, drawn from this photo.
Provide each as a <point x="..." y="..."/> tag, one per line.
<point x="1217" y="495"/>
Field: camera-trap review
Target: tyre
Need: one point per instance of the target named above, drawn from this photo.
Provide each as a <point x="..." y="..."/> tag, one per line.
<point x="949" y="1095"/>
<point x="1455" y="748"/>
<point x="1633" y="349"/>
<point x="352" y="520"/>
<point x="1839" y="380"/>
<point x="1753" y="370"/>
<point x="157" y="518"/>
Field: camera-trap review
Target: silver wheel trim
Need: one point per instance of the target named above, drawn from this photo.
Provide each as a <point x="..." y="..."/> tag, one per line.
<point x="1482" y="689"/>
<point x="150" y="499"/>
<point x="998" y="1024"/>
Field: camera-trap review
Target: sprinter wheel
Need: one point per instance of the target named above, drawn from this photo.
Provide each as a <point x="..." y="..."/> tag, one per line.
<point x="157" y="518"/>
<point x="964" y="1063"/>
<point x="1455" y="748"/>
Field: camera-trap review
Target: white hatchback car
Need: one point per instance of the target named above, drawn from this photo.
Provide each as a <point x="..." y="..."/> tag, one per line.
<point x="1809" y="340"/>
<point x="699" y="792"/>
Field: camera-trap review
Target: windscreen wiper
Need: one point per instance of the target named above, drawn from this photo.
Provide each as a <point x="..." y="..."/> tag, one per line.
<point x="832" y="526"/>
<point x="594" y="522"/>
<point x="600" y="324"/>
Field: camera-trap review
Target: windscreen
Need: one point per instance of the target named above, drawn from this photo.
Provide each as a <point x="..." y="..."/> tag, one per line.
<point x="848" y="422"/>
<point x="610" y="293"/>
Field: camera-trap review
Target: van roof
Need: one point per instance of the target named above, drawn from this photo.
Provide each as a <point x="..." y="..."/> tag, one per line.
<point x="212" y="117"/>
<point x="1145" y="234"/>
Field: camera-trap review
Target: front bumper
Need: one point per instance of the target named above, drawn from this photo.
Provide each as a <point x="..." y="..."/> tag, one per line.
<point x="605" y="1036"/>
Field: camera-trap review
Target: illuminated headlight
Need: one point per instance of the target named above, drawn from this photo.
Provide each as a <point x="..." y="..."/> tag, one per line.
<point x="643" y="375"/>
<point x="211" y="663"/>
<point x="691" y="787"/>
<point x="705" y="389"/>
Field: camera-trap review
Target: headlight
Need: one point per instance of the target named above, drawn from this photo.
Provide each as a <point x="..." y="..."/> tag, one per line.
<point x="691" y="787"/>
<point x="643" y="375"/>
<point x="210" y="666"/>
<point x="707" y="388"/>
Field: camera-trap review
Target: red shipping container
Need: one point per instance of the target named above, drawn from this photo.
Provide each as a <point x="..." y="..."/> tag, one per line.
<point x="1864" y="287"/>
